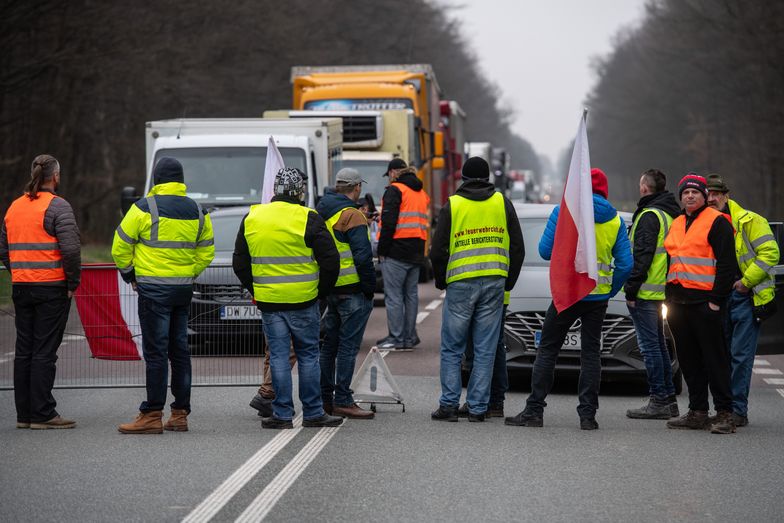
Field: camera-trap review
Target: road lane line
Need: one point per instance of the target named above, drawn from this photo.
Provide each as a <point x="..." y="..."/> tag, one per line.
<point x="5" y="360"/>
<point x="421" y="317"/>
<point x="276" y="489"/>
<point x="213" y="503"/>
<point x="433" y="305"/>
<point x="761" y="363"/>
<point x="781" y="392"/>
<point x="72" y="337"/>
<point x="766" y="371"/>
<point x="442" y="295"/>
<point x="773" y="381"/>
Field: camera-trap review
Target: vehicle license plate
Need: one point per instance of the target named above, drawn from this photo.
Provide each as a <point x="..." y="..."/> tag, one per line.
<point x="240" y="312"/>
<point x="572" y="341"/>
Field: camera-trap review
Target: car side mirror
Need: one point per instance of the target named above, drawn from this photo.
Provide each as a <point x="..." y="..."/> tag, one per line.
<point x="128" y="197"/>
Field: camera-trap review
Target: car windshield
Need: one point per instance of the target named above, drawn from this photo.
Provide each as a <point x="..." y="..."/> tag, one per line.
<point x="371" y="171"/>
<point x="532" y="232"/>
<point x="225" y="228"/>
<point x="228" y="175"/>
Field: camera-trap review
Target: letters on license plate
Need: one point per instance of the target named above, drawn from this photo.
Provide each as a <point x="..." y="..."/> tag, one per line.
<point x="571" y="342"/>
<point x="240" y="312"/>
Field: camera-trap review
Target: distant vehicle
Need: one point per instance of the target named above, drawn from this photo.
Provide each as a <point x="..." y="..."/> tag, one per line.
<point x="530" y="299"/>
<point x="224" y="158"/>
<point x="517" y="191"/>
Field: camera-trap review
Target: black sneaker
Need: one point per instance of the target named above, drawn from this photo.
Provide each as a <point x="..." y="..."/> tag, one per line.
<point x="673" y="402"/>
<point x="262" y="404"/>
<point x="276" y="423"/>
<point x="654" y="409"/>
<point x="526" y="418"/>
<point x="462" y="412"/>
<point x="324" y="421"/>
<point x="444" y="414"/>
<point x="495" y="410"/>
<point x="383" y="340"/>
<point x="476" y="418"/>
<point x="740" y="421"/>
<point x="588" y="424"/>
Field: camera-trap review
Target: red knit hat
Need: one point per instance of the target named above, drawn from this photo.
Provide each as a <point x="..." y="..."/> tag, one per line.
<point x="693" y="181"/>
<point x="599" y="182"/>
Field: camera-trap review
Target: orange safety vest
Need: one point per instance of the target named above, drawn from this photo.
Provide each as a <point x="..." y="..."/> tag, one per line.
<point x="692" y="261"/>
<point x="34" y="253"/>
<point x="412" y="220"/>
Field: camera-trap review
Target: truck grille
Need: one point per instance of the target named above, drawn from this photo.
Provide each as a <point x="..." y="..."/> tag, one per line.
<point x="362" y="131"/>
<point x="523" y="325"/>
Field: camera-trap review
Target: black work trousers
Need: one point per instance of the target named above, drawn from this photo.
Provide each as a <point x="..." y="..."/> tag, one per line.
<point x="702" y="353"/>
<point x="554" y="330"/>
<point x="41" y="315"/>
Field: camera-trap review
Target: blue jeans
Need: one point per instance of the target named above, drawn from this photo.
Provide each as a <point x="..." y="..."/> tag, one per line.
<point x="401" y="299"/>
<point x="554" y="331"/>
<point x="499" y="384"/>
<point x="472" y="306"/>
<point x="302" y="328"/>
<point x="647" y="318"/>
<point x="742" y="332"/>
<point x="344" y="325"/>
<point x="163" y="315"/>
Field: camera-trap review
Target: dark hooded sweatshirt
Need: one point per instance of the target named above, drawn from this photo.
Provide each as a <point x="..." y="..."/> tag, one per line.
<point x="477" y="190"/>
<point x="317" y="237"/>
<point x="411" y="250"/>
<point x="645" y="237"/>
<point x="351" y="228"/>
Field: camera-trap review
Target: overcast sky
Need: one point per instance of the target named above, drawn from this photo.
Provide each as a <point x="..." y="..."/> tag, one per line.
<point x="539" y="52"/>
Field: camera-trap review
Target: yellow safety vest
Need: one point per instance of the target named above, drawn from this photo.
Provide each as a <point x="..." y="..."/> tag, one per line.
<point x="478" y="239"/>
<point x="283" y="267"/>
<point x="653" y="286"/>
<point x="757" y="252"/>
<point x="606" y="234"/>
<point x="348" y="271"/>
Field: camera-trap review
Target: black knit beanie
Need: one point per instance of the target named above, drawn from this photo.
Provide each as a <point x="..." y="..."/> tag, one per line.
<point x="167" y="170"/>
<point x="476" y="168"/>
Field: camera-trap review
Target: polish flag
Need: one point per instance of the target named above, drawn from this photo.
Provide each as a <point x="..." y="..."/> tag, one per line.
<point x="573" y="269"/>
<point x="273" y="164"/>
<point x="110" y="317"/>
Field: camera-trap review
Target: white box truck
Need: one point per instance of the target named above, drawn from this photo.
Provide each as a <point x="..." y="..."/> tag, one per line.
<point x="223" y="158"/>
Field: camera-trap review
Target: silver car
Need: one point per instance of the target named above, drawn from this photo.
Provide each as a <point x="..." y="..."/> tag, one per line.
<point x="530" y="299"/>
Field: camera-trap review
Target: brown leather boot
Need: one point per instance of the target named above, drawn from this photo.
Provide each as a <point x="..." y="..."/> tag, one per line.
<point x="145" y="423"/>
<point x="352" y="412"/>
<point x="178" y="421"/>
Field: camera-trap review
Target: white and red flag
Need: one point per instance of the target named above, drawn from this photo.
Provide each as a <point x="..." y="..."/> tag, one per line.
<point x="573" y="268"/>
<point x="273" y="164"/>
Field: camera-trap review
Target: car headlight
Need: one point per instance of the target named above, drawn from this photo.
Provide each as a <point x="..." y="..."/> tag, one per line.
<point x="664" y="312"/>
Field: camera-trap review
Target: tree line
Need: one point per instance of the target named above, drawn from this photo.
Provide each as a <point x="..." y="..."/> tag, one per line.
<point x="78" y="79"/>
<point x="698" y="86"/>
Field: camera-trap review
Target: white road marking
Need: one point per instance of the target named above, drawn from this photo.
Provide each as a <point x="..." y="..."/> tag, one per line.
<point x="767" y="371"/>
<point x="774" y="381"/>
<point x="72" y="337"/>
<point x="213" y="503"/>
<point x="761" y="363"/>
<point x="443" y="295"/>
<point x="10" y="353"/>
<point x="5" y="360"/>
<point x="781" y="392"/>
<point x="433" y="305"/>
<point x="421" y="317"/>
<point x="272" y="493"/>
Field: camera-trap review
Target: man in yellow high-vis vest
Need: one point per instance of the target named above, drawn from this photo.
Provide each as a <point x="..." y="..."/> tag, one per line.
<point x="754" y="290"/>
<point x="477" y="254"/>
<point x="286" y="257"/>
<point x="351" y="301"/>
<point x="645" y="292"/>
<point x="163" y="242"/>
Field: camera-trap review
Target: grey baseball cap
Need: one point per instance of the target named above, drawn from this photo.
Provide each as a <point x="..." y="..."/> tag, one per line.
<point x="348" y="176"/>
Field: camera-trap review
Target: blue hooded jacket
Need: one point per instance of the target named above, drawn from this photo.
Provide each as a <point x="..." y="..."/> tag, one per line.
<point x="603" y="212"/>
<point x="358" y="240"/>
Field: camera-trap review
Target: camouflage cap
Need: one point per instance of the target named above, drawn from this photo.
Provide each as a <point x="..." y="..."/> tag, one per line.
<point x="716" y="183"/>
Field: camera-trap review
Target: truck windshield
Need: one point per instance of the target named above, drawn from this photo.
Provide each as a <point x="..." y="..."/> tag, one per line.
<point x="359" y="104"/>
<point x="228" y="175"/>
<point x="371" y="171"/>
<point x="533" y="228"/>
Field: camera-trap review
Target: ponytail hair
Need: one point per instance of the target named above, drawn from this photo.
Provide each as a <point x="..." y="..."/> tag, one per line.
<point x="43" y="169"/>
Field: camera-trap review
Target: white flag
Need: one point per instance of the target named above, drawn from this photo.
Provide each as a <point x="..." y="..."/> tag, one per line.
<point x="271" y="167"/>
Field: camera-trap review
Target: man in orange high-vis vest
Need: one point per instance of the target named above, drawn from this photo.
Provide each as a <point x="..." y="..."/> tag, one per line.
<point x="39" y="244"/>
<point x="701" y="248"/>
<point x="401" y="252"/>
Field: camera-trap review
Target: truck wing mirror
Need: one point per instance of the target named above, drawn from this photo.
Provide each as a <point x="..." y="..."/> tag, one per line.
<point x="128" y="197"/>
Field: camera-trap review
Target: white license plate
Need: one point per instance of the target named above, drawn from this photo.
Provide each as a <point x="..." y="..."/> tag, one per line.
<point x="573" y="340"/>
<point x="240" y="312"/>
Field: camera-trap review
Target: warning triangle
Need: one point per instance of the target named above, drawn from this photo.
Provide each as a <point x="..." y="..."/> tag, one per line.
<point x="374" y="382"/>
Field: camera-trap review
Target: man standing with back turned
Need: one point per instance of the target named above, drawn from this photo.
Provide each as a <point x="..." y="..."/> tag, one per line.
<point x="753" y="291"/>
<point x="162" y="244"/>
<point x="645" y="292"/>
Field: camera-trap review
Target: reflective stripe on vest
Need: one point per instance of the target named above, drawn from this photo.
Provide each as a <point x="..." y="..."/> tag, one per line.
<point x="348" y="271"/>
<point x="653" y="286"/>
<point x="283" y="267"/>
<point x="412" y="221"/>
<point x="479" y="239"/>
<point x="692" y="260"/>
<point x="34" y="254"/>
<point x="606" y="236"/>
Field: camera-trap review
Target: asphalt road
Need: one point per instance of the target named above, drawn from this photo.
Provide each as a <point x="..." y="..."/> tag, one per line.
<point x="398" y="467"/>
